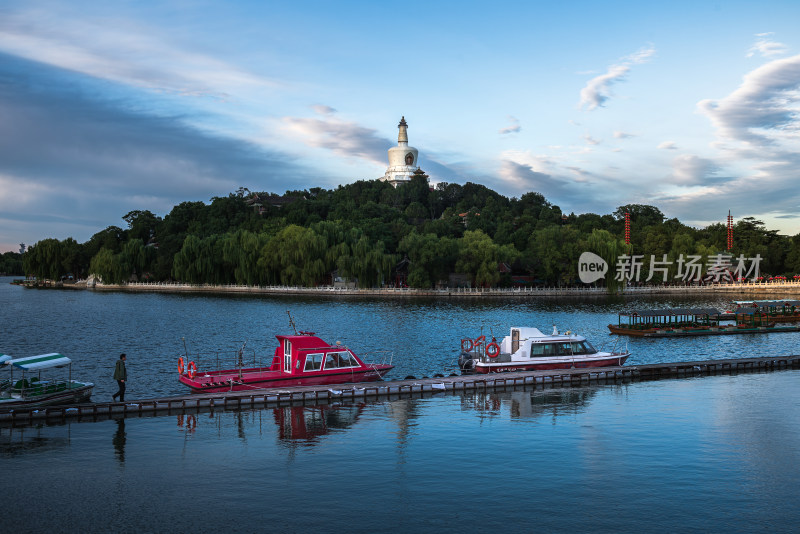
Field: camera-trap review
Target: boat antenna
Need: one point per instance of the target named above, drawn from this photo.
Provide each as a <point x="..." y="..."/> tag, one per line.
<point x="291" y="322"/>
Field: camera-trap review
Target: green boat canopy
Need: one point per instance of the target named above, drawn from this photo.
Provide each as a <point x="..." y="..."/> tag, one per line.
<point x="43" y="361"/>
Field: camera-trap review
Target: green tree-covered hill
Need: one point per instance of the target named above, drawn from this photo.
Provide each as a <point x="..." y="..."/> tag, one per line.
<point x="374" y="234"/>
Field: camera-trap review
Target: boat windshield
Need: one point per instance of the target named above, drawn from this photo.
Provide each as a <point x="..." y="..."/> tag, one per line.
<point x="313" y="362"/>
<point x="337" y="360"/>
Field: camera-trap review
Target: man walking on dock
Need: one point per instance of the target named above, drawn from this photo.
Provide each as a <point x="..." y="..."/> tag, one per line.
<point x="120" y="375"/>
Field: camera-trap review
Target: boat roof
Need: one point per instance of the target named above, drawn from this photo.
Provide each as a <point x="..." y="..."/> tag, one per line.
<point x="4" y="358"/>
<point x="43" y="361"/>
<point x="307" y="342"/>
<point x="768" y="303"/>
<point x="527" y="332"/>
<point x="673" y="312"/>
<point x="746" y="311"/>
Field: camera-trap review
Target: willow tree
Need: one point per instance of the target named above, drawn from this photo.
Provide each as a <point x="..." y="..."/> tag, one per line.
<point x="242" y="250"/>
<point x="367" y="261"/>
<point x="201" y="261"/>
<point x="294" y="256"/>
<point x="554" y="252"/>
<point x="610" y="248"/>
<point x="337" y="238"/>
<point x="135" y="257"/>
<point x="106" y="266"/>
<point x="480" y="257"/>
<point x="44" y="259"/>
<point x="431" y="258"/>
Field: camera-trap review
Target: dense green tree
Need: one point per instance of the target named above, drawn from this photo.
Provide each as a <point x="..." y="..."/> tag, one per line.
<point x="610" y="248"/>
<point x="479" y="256"/>
<point x="44" y="260"/>
<point x="142" y="225"/>
<point x="105" y="265"/>
<point x="641" y="214"/>
<point x="295" y="257"/>
<point x="11" y="263"/>
<point x="360" y="230"/>
<point x="73" y="258"/>
<point x="431" y="258"/>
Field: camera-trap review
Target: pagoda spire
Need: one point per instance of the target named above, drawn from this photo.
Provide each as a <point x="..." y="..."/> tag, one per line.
<point x="402" y="135"/>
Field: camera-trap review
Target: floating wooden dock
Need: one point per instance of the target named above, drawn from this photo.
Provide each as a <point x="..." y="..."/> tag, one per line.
<point x="315" y="395"/>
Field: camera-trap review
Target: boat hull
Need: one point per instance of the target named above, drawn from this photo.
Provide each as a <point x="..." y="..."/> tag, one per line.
<point x="714" y="331"/>
<point x="74" y="395"/>
<point x="552" y="363"/>
<point x="253" y="379"/>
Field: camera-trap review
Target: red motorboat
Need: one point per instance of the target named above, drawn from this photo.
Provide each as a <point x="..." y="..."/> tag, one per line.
<point x="302" y="359"/>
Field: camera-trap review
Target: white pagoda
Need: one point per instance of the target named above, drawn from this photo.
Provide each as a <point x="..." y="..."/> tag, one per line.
<point x="403" y="159"/>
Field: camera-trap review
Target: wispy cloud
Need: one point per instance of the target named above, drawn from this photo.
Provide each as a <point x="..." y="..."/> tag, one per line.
<point x="667" y="145"/>
<point x="321" y="109"/>
<point x="598" y="90"/>
<point x="344" y="138"/>
<point x="591" y="140"/>
<point x="764" y="109"/>
<point x="623" y="135"/>
<point x="693" y="170"/>
<point x="766" y="47"/>
<point x="571" y="187"/>
<point x="514" y="127"/>
<point x="123" y="52"/>
<point x="525" y="178"/>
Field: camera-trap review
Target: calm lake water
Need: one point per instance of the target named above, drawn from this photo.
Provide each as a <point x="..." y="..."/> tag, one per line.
<point x="703" y="454"/>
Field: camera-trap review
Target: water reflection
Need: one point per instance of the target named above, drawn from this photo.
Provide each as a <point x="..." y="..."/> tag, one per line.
<point x="309" y="423"/>
<point x="119" y="441"/>
<point x="26" y="440"/>
<point x="304" y="425"/>
<point x="529" y="403"/>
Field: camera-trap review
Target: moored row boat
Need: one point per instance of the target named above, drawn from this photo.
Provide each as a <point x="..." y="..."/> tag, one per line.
<point x="33" y="389"/>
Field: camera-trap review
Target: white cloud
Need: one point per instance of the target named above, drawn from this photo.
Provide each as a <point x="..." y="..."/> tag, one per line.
<point x="763" y="111"/>
<point x="767" y="47"/>
<point x="668" y="145"/>
<point x="623" y="135"/>
<point x="598" y="90"/>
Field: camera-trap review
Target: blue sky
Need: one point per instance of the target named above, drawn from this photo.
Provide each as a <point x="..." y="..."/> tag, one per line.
<point x="107" y="107"/>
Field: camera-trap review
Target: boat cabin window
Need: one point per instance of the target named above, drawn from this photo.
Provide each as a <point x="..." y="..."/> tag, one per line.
<point x="573" y="348"/>
<point x="337" y="360"/>
<point x="313" y="362"/>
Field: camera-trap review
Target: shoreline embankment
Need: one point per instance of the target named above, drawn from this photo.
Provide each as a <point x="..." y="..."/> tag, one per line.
<point x="762" y="290"/>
